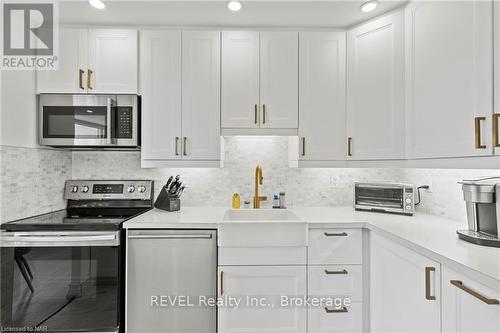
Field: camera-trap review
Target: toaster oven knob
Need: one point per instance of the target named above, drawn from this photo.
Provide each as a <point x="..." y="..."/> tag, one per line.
<point x="131" y="189"/>
<point x="142" y="189"/>
<point x="408" y="200"/>
<point x="85" y="189"/>
<point x="74" y="189"/>
<point x="408" y="207"/>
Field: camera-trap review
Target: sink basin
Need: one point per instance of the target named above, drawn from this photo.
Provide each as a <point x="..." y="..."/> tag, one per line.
<point x="260" y="215"/>
<point x="261" y="228"/>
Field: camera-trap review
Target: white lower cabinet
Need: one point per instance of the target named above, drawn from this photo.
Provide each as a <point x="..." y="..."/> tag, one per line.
<point x="252" y="284"/>
<point x="468" y="306"/>
<point x="404" y="289"/>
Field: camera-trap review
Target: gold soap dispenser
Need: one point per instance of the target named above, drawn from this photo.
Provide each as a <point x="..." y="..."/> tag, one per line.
<point x="236" y="200"/>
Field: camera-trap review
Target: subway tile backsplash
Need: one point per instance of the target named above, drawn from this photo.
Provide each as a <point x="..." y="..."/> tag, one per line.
<point x="32" y="179"/>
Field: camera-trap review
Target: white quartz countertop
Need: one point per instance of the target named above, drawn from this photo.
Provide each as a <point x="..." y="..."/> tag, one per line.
<point x="432" y="236"/>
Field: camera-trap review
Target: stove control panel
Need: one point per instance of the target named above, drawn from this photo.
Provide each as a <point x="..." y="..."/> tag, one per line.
<point x="108" y="189"/>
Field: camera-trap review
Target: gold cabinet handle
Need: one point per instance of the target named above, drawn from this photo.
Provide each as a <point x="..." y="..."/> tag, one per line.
<point x="341" y="310"/>
<point x="176" y="146"/>
<point x="184" y="146"/>
<point x="90" y="74"/>
<point x="460" y="285"/>
<point x="80" y="79"/>
<point x="477" y="125"/>
<point x="263" y="113"/>
<point x="428" y="295"/>
<point x="303" y="146"/>
<point x="349" y="146"/>
<point x="256" y="114"/>
<point x="327" y="272"/>
<point x="221" y="283"/>
<point x="496" y="139"/>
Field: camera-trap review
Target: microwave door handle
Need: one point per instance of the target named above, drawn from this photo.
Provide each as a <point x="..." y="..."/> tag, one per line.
<point x="109" y="106"/>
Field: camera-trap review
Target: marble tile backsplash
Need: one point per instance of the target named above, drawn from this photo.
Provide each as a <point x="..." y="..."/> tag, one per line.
<point x="32" y="181"/>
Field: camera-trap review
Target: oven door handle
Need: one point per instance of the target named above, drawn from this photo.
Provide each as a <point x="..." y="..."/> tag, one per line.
<point x="59" y="239"/>
<point x="109" y="108"/>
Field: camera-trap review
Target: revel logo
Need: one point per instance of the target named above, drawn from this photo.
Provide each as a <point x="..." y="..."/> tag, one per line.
<point x="28" y="29"/>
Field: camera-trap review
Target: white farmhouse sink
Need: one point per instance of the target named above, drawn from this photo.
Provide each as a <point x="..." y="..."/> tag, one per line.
<point x="260" y="215"/>
<point x="261" y="228"/>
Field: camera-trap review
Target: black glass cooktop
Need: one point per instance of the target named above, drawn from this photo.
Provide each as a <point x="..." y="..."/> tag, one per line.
<point x="59" y="220"/>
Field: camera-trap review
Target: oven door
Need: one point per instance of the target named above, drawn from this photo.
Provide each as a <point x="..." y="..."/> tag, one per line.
<point x="60" y="281"/>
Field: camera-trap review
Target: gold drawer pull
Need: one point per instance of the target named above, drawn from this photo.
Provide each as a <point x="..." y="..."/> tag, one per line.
<point x="221" y="283"/>
<point x="428" y="295"/>
<point x="349" y="146"/>
<point x="460" y="285"/>
<point x="342" y="310"/>
<point x="89" y="79"/>
<point x="336" y="234"/>
<point x="303" y="146"/>
<point x="336" y="272"/>
<point x="80" y="79"/>
<point x="477" y="125"/>
<point x="256" y="113"/>
<point x="496" y="139"/>
<point x="263" y="113"/>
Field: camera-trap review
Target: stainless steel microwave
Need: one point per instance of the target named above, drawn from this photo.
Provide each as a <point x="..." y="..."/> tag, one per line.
<point x="398" y="198"/>
<point x="89" y="121"/>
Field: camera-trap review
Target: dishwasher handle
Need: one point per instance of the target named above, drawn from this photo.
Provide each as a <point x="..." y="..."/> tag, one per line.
<point x="172" y="236"/>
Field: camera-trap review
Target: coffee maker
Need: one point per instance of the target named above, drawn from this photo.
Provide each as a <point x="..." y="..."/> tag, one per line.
<point x="482" y="199"/>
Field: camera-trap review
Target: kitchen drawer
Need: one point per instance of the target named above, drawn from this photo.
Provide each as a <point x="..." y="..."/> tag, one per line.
<point x="244" y="256"/>
<point x="336" y="280"/>
<point x="335" y="246"/>
<point x="350" y="321"/>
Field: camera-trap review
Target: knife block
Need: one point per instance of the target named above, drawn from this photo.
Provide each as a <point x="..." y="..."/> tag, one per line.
<point x="164" y="202"/>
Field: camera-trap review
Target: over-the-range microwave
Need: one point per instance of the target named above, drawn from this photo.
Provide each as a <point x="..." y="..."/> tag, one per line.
<point x="89" y="121"/>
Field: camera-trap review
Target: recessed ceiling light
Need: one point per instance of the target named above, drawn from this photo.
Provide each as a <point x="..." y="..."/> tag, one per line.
<point x="369" y="6"/>
<point x="97" y="4"/>
<point x="234" y="5"/>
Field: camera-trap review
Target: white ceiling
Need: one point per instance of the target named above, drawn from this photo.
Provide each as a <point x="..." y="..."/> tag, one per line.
<point x="331" y="14"/>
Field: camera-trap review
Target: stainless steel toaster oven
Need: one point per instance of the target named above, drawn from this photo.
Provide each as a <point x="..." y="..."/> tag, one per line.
<point x="396" y="198"/>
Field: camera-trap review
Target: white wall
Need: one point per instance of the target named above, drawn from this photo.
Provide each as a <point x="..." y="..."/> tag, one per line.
<point x="18" y="109"/>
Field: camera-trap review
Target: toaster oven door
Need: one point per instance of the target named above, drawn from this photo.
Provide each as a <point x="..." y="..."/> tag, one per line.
<point x="385" y="198"/>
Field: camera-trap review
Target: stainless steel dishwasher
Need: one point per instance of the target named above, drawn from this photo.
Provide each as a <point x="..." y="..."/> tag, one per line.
<point x="169" y="272"/>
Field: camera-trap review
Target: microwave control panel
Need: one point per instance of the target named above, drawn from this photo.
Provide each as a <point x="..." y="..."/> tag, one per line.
<point x="124" y="122"/>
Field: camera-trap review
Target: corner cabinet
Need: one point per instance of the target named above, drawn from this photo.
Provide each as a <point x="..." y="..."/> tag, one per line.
<point x="259" y="83"/>
<point x="375" y="90"/>
<point x="93" y="61"/>
<point x="180" y="85"/>
<point x="468" y="306"/>
<point x="321" y="96"/>
<point x="449" y="66"/>
<point x="405" y="289"/>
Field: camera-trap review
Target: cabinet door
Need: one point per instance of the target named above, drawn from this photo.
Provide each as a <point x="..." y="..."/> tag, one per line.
<point x="201" y="95"/>
<point x="270" y="282"/>
<point x="375" y="89"/>
<point x="113" y="61"/>
<point x="240" y="79"/>
<point x="161" y="94"/>
<point x="322" y="95"/>
<point x="279" y="71"/>
<point x="400" y="286"/>
<point x="71" y="75"/>
<point x="496" y="61"/>
<point x="449" y="78"/>
<point x="463" y="312"/>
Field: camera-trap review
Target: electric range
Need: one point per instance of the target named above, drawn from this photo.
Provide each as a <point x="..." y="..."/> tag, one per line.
<point x="64" y="271"/>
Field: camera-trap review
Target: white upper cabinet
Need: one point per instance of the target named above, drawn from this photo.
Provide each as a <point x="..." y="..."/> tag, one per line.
<point x="375" y="89"/>
<point x="259" y="81"/>
<point x="322" y="95"/>
<point x="71" y="75"/>
<point x="279" y="61"/>
<point x="496" y="116"/>
<point x="240" y="79"/>
<point x="405" y="294"/>
<point x="468" y="307"/>
<point x="93" y="61"/>
<point x="161" y="60"/>
<point x="201" y="95"/>
<point x="449" y="70"/>
<point x="113" y="61"/>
